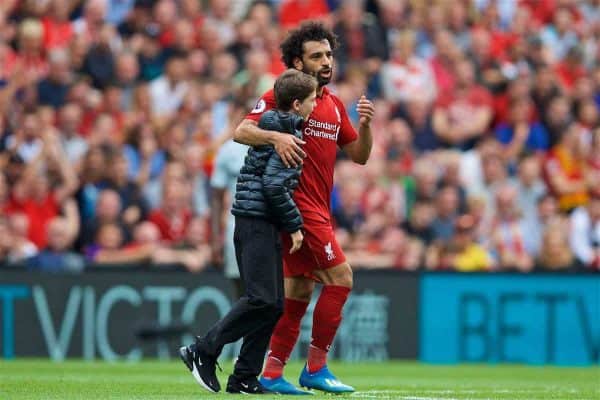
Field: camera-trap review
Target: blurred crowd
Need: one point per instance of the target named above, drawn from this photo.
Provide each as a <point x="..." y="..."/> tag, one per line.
<point x="486" y="136"/>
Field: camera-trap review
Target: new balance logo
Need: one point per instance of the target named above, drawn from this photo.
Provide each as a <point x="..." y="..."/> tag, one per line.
<point x="329" y="252"/>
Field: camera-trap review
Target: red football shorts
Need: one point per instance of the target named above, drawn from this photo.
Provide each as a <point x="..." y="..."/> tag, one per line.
<point x="320" y="250"/>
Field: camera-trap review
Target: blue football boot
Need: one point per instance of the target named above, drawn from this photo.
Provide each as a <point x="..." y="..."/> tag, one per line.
<point x="323" y="380"/>
<point x="281" y="386"/>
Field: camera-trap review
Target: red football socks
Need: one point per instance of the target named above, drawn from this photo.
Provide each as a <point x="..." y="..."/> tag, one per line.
<point x="284" y="337"/>
<point x="326" y="320"/>
<point x="273" y="367"/>
<point x="317" y="358"/>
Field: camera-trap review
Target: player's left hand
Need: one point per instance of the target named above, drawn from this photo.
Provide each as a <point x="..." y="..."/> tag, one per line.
<point x="365" y="109"/>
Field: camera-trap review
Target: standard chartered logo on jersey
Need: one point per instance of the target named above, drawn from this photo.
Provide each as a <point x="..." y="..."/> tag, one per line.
<point x="363" y="334"/>
<point x="323" y="130"/>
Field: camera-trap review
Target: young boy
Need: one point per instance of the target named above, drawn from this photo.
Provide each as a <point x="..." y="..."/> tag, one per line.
<point x="263" y="206"/>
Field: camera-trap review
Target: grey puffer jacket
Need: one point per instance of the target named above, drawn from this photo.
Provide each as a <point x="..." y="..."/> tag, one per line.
<point x="265" y="185"/>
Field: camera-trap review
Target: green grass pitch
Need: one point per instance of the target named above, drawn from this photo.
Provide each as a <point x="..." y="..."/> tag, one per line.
<point x="41" y="379"/>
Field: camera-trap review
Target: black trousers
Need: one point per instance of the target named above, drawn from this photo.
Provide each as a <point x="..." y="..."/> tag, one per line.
<point x="254" y="315"/>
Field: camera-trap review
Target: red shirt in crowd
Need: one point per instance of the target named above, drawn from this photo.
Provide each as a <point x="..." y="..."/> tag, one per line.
<point x="568" y="75"/>
<point x="326" y="128"/>
<point x="461" y="107"/>
<point x="39" y="213"/>
<point x="502" y="110"/>
<point x="57" y="34"/>
<point x="292" y="12"/>
<point x="444" y="77"/>
<point x="172" y="229"/>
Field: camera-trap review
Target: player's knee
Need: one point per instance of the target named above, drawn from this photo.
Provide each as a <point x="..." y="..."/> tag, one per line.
<point x="300" y="295"/>
<point x="299" y="290"/>
<point x="343" y="277"/>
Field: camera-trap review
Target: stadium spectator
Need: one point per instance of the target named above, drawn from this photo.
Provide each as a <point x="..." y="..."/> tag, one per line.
<point x="507" y="235"/>
<point x="545" y="213"/>
<point x="167" y="91"/>
<point x="193" y="252"/>
<point x="22" y="247"/>
<point x="559" y="36"/>
<point x="570" y="69"/>
<point x="420" y="222"/>
<point x="53" y="89"/>
<point x="35" y="194"/>
<point x="57" y="256"/>
<point x="99" y="62"/>
<point x="519" y="135"/>
<point x="564" y="171"/>
<point x="447" y="209"/>
<point x="529" y="185"/>
<point x="585" y="232"/>
<point x="109" y="248"/>
<point x="461" y="253"/>
<point x="107" y="211"/>
<point x="406" y="77"/>
<point x="174" y="214"/>
<point x="193" y="163"/>
<point x="144" y="157"/>
<point x="92" y="172"/>
<point x="442" y="62"/>
<point x="127" y="70"/>
<point x="255" y="78"/>
<point x="58" y="30"/>
<point x="292" y="12"/>
<point x="89" y="25"/>
<point x="556" y="117"/>
<point x="395" y="249"/>
<point x="151" y="57"/>
<point x="133" y="205"/>
<point x="464" y="113"/>
<point x="69" y="121"/>
<point x="360" y="38"/>
<point x="555" y="254"/>
<point x="544" y="90"/>
<point x="450" y="165"/>
<point x="27" y="142"/>
<point x="398" y="147"/>
<point x="30" y="52"/>
<point x="426" y="176"/>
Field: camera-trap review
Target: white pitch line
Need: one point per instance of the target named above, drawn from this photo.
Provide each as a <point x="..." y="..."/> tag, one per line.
<point x="405" y="394"/>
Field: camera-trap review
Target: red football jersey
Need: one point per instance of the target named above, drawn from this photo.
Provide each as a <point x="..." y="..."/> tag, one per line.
<point x="326" y="128"/>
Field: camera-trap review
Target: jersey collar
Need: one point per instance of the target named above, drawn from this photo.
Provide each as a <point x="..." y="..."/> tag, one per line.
<point x="324" y="93"/>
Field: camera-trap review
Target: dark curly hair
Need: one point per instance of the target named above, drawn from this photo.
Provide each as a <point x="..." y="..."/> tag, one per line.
<point x="292" y="46"/>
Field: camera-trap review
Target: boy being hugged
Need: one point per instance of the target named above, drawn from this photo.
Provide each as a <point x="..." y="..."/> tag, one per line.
<point x="262" y="207"/>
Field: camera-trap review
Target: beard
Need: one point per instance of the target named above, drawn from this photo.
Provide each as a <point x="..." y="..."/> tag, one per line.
<point x="321" y="80"/>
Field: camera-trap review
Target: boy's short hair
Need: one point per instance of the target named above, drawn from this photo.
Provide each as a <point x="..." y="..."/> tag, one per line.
<point x="292" y="85"/>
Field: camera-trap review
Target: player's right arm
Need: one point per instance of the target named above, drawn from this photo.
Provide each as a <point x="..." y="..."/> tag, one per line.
<point x="287" y="146"/>
<point x="248" y="133"/>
